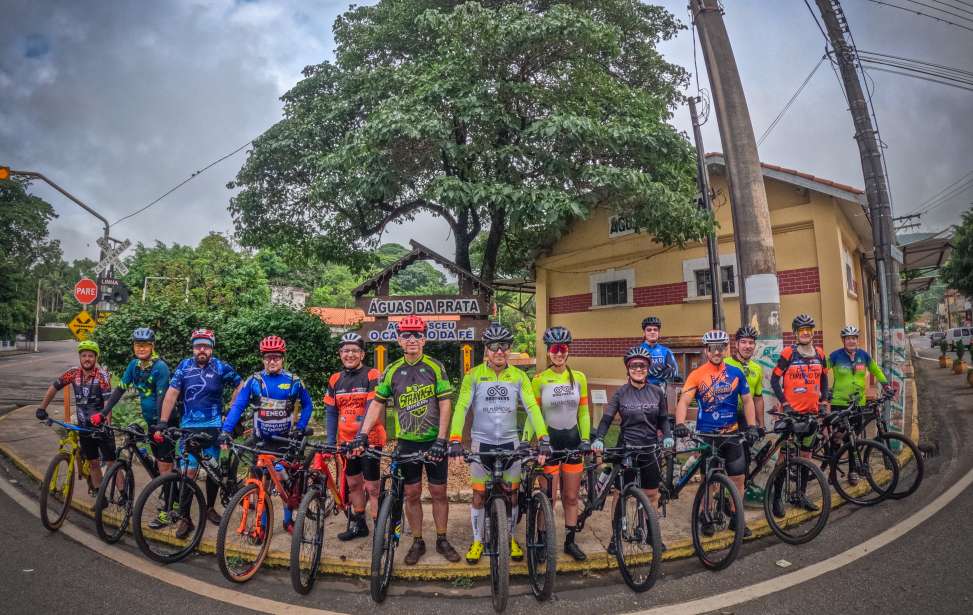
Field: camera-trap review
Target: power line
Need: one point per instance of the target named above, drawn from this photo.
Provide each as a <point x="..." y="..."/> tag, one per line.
<point x="790" y="102"/>
<point x="182" y="183"/>
<point x="936" y="8"/>
<point x="914" y="61"/>
<point x="908" y="10"/>
<point x="953" y="6"/>
<point x="948" y="197"/>
<point x="943" y="190"/>
<point x="930" y="79"/>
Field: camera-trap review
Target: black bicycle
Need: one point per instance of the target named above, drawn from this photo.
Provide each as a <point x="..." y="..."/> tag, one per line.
<point x="718" y="504"/>
<point x="795" y="486"/>
<point x="635" y="528"/>
<point x="541" y="530"/>
<point x="170" y="513"/>
<point x="322" y="498"/>
<point x="849" y="459"/>
<point x="912" y="466"/>
<point x="116" y="494"/>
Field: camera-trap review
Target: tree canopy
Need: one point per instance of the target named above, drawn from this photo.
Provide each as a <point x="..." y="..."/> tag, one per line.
<point x="958" y="272"/>
<point x="505" y="119"/>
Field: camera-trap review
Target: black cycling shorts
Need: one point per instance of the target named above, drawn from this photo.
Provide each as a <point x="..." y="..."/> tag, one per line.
<point x="649" y="474"/>
<point x="732" y="452"/>
<point x="369" y="467"/>
<point x="564" y="439"/>
<point x="92" y="447"/>
<point x="436" y="473"/>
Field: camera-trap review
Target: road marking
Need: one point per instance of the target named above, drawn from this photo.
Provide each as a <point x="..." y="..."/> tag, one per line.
<point x="791" y="579"/>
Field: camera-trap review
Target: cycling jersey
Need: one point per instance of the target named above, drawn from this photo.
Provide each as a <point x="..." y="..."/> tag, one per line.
<point x="202" y="391"/>
<point x="643" y="411"/>
<point x="662" y="357"/>
<point x="273" y="397"/>
<point x="91" y="390"/>
<point x="494" y="398"/>
<point x="754" y="374"/>
<point x="346" y="400"/>
<point x="848" y="375"/>
<point x="414" y="389"/>
<point x="563" y="399"/>
<point x="801" y="381"/>
<point x="150" y="379"/>
<point x="717" y="392"/>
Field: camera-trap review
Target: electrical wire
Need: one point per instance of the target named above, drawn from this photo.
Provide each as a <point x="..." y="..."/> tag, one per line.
<point x="936" y="8"/>
<point x="930" y="65"/>
<point x="790" y="102"/>
<point x="943" y="191"/>
<point x="909" y="10"/>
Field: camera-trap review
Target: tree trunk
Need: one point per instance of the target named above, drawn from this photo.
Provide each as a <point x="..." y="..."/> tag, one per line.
<point x="498" y="218"/>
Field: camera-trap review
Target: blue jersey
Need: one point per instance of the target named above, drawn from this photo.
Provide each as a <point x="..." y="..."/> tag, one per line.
<point x="272" y="397"/>
<point x="202" y="391"/>
<point x="151" y="383"/>
<point x="716" y="389"/>
<point x="663" y="359"/>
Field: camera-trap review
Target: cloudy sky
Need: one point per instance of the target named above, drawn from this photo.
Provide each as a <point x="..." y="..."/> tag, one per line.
<point x="119" y="101"/>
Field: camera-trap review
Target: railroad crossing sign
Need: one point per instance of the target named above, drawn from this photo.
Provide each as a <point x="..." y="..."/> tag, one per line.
<point x="86" y="291"/>
<point x="112" y="254"/>
<point x="112" y="291"/>
<point x="82" y="325"/>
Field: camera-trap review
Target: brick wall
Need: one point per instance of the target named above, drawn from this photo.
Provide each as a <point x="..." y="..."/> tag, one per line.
<point x="818" y="339"/>
<point x="569" y="303"/>
<point x="797" y="281"/>
<point x="617" y="346"/>
<point x="660" y="294"/>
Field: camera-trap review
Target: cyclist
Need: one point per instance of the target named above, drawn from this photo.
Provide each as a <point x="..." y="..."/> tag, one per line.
<point x="272" y="393"/>
<point x="492" y="391"/>
<point x="742" y="359"/>
<point x="717" y="389"/>
<point x="417" y="386"/>
<point x="644" y="413"/>
<point x="562" y="394"/>
<point x="91" y="385"/>
<point x="346" y="400"/>
<point x="662" y="358"/>
<point x="148" y="374"/>
<point x="199" y="381"/>
<point x="800" y="382"/>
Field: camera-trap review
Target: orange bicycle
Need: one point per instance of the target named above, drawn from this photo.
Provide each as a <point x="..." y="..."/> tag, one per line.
<point x="247" y="526"/>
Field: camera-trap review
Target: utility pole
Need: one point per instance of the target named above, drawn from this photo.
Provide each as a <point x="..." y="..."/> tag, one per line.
<point x="752" y="232"/>
<point x="876" y="184"/>
<point x="37" y="316"/>
<point x="706" y="204"/>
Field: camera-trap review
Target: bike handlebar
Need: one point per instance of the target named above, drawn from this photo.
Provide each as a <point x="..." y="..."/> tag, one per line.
<point x="78" y="428"/>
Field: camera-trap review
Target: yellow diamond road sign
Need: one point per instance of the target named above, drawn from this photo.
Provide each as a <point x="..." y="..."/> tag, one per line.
<point x="82" y="326"/>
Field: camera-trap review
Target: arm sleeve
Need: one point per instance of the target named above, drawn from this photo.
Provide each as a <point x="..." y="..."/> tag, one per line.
<point x="458" y="421"/>
<point x="161" y="383"/>
<point x="782" y="364"/>
<point x="584" y="412"/>
<point x="177" y="378"/>
<point x="534" y="414"/>
<point x="672" y="364"/>
<point x="535" y="387"/>
<point x="664" y="415"/>
<point x="876" y="371"/>
<point x="383" y="390"/>
<point x="307" y="407"/>
<point x="61" y="381"/>
<point x="608" y="417"/>
<point x="330" y="412"/>
<point x="115" y="396"/>
<point x="236" y="410"/>
<point x="230" y="376"/>
<point x="825" y="393"/>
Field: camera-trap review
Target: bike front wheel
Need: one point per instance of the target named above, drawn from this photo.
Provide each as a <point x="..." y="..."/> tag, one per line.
<point x="169" y="518"/>
<point x="912" y="466"/>
<point x="57" y="489"/>
<point x="638" y="540"/>
<point x="864" y="474"/>
<point x="388" y="528"/>
<point x="114" y="502"/>
<point x="794" y="488"/>
<point x="498" y="547"/>
<point x="308" y="540"/>
<point x="246" y="529"/>
<point x="541" y="545"/>
<point x="717" y="522"/>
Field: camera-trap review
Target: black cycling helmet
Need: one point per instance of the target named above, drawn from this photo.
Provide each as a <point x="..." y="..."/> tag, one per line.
<point x="497" y="333"/>
<point x="637" y="352"/>
<point x="746" y="332"/>
<point x="653" y="321"/>
<point x="802" y="320"/>
<point x="557" y="335"/>
<point x="143" y="334"/>
<point x="351" y="338"/>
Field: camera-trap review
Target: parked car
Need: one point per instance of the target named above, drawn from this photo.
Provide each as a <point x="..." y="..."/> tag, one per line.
<point x="957" y="334"/>
<point x="935" y="337"/>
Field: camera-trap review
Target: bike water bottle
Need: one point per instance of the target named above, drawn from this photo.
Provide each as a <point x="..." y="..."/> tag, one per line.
<point x="603" y="479"/>
<point x="281" y="471"/>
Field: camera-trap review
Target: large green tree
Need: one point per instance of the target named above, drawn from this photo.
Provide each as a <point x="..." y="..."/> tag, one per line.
<point x="958" y="272"/>
<point x="505" y="118"/>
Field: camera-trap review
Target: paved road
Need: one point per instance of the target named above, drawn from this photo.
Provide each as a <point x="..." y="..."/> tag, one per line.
<point x="24" y="377"/>
<point x="925" y="570"/>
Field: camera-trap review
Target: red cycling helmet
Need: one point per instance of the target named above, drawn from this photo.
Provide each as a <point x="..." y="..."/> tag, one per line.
<point x="203" y="334"/>
<point x="411" y="323"/>
<point x="272" y="343"/>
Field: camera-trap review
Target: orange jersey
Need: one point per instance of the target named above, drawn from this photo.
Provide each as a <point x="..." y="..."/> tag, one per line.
<point x="801" y="381"/>
<point x="346" y="399"/>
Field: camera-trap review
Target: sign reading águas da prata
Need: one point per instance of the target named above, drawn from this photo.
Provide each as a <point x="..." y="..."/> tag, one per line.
<point x="442" y="306"/>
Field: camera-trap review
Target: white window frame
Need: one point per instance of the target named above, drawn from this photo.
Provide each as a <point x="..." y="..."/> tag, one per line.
<point x="613" y="275"/>
<point x="848" y="272"/>
<point x="611" y="220"/>
<point x="691" y="266"/>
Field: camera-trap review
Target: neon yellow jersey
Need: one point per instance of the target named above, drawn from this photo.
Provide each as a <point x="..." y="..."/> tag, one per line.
<point x="493" y="398"/>
<point x="754" y="373"/>
<point x="563" y="399"/>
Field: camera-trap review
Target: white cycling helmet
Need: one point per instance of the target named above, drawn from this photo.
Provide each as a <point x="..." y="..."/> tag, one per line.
<point x="715" y="336"/>
<point x="850" y="330"/>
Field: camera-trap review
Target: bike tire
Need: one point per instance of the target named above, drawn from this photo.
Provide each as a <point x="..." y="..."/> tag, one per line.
<point x="151" y="541"/>
<point x="782" y="473"/>
<point x="646" y="527"/>
<point x="108" y="498"/>
<point x="866" y="456"/>
<point x="387" y="532"/>
<point x="308" y="540"/>
<point x="59" y="469"/>
<point x="910" y="476"/>
<point x="715" y="507"/>
<point x="245" y="501"/>
<point x="498" y="544"/>
<point x="586" y="494"/>
<point x="541" y="545"/>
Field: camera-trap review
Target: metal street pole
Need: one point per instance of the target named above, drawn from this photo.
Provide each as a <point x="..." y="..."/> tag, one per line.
<point x="37" y="316"/>
<point x="706" y="203"/>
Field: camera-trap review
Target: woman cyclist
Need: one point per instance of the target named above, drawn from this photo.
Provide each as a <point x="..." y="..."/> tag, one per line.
<point x="562" y="394"/>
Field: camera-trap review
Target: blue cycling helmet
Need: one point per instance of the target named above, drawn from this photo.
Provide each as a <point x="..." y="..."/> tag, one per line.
<point x="143" y="334"/>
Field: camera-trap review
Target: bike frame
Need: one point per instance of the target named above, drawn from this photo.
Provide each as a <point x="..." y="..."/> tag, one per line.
<point x="69" y="444"/>
<point x="622" y="459"/>
<point x="495" y="486"/>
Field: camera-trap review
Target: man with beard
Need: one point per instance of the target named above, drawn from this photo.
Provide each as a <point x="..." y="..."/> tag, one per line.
<point x="742" y="359"/>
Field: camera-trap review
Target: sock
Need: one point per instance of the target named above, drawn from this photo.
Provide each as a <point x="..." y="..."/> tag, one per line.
<point x="211" y="490"/>
<point x="568" y="534"/>
<point x="513" y="518"/>
<point x="476" y="521"/>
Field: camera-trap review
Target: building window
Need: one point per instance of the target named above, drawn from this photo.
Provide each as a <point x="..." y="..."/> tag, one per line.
<point x="613" y="287"/>
<point x="613" y="293"/>
<point x="850" y="284"/>
<point x="704" y="282"/>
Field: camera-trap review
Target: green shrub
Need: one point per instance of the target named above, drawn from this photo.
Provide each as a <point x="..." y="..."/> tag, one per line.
<point x="960" y="351"/>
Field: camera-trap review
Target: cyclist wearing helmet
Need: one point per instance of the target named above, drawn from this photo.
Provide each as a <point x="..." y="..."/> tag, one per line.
<point x="562" y="394"/>
<point x="149" y="376"/>
<point x="417" y="387"/>
<point x="91" y="385"/>
<point x="742" y="359"/>
<point x="272" y="393"/>
<point x="847" y="368"/>
<point x="346" y="400"/>
<point x="662" y="358"/>
<point x="644" y="413"/>
<point x="492" y="391"/>
<point x="199" y="381"/>
<point x="717" y="388"/>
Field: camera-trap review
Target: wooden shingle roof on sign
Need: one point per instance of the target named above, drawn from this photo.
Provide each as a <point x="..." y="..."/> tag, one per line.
<point x="379" y="283"/>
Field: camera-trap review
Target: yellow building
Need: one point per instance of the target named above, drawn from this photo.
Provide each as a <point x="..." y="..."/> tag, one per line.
<point x="601" y="278"/>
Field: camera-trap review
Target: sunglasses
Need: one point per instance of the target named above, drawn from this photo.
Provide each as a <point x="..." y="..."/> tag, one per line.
<point x="716" y="348"/>
<point x="638" y="366"/>
<point x="273" y="357"/>
<point x="498" y="346"/>
<point x="558" y="349"/>
<point x="806" y="330"/>
<point x="411" y="335"/>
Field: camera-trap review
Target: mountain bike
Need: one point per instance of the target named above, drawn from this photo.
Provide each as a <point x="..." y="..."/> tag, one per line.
<point x="912" y="468"/>
<point x="171" y="527"/>
<point x="116" y="495"/>
<point x="848" y="458"/>
<point x="57" y="487"/>
<point x="635" y="528"/>
<point x="247" y="526"/>
<point x="718" y="504"/>
<point x="541" y="538"/>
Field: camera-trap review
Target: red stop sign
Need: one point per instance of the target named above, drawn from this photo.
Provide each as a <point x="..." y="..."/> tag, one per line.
<point x="86" y="291"/>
